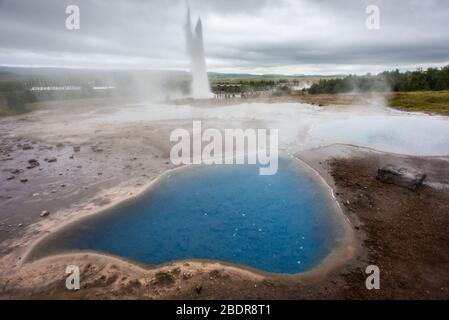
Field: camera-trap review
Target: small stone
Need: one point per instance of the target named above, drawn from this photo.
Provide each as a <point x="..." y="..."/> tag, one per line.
<point x="52" y="159"/>
<point x="268" y="283"/>
<point x="198" y="289"/>
<point x="10" y="178"/>
<point x="96" y="149"/>
<point x="186" y="275"/>
<point x="27" y="147"/>
<point x="76" y="149"/>
<point x="33" y="163"/>
<point x="44" y="213"/>
<point x="23" y="180"/>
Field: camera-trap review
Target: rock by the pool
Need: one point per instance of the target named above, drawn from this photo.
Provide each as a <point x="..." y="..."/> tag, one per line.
<point x="403" y="177"/>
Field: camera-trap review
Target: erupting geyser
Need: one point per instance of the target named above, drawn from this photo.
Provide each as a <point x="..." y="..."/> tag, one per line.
<point x="195" y="48"/>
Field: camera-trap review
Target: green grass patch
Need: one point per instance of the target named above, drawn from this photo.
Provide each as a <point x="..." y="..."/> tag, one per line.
<point x="435" y="102"/>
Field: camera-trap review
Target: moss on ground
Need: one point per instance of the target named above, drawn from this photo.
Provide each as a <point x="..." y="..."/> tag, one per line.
<point x="436" y="102"/>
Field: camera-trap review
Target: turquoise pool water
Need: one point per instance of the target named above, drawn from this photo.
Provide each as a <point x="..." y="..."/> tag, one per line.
<point x="285" y="223"/>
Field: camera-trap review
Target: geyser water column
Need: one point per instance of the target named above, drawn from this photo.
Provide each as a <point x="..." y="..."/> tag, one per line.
<point x="195" y="48"/>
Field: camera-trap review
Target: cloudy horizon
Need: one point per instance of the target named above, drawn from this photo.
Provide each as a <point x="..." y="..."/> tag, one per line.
<point x="246" y="36"/>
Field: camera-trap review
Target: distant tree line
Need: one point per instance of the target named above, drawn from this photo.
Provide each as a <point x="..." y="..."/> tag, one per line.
<point x="430" y="79"/>
<point x="242" y="86"/>
<point x="16" y="94"/>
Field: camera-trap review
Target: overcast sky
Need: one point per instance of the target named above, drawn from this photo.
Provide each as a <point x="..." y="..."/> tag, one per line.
<point x="254" y="36"/>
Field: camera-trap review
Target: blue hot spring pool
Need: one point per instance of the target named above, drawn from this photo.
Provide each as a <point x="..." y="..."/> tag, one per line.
<point x="285" y="223"/>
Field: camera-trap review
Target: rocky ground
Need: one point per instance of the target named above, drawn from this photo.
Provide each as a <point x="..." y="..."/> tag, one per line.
<point x="45" y="172"/>
<point x="71" y="167"/>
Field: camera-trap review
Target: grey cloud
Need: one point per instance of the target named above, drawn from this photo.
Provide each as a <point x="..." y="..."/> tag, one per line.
<point x="239" y="34"/>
